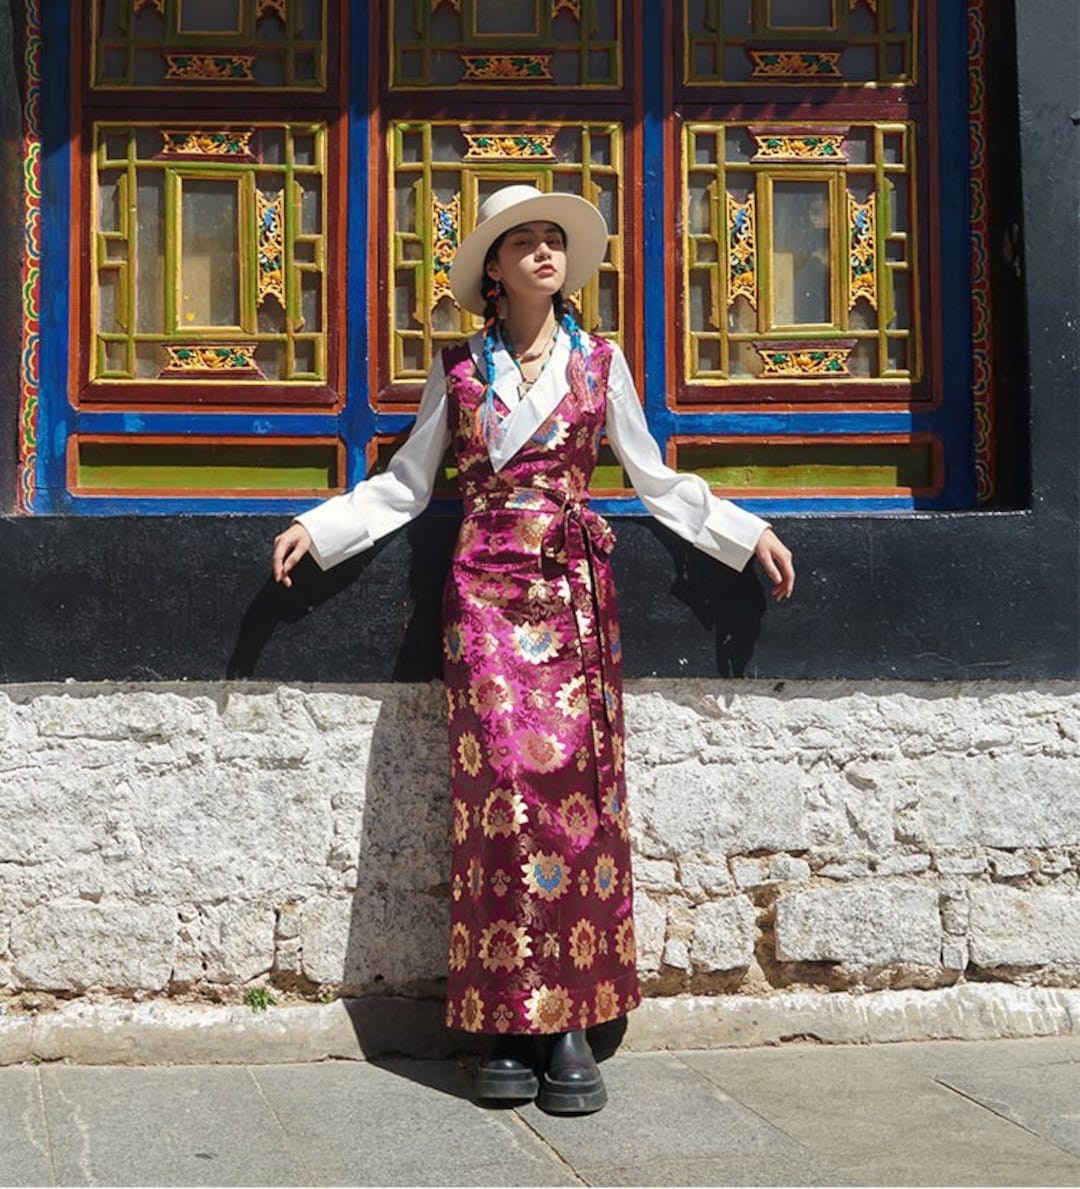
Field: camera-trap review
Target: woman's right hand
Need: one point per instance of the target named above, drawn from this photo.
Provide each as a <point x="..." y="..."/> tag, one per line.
<point x="289" y="547"/>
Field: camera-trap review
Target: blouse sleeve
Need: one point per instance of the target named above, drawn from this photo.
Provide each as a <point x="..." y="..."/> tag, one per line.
<point x="680" y="501"/>
<point x="347" y="524"/>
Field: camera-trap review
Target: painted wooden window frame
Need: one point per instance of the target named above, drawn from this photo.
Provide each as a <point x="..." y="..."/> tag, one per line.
<point x="48" y="420"/>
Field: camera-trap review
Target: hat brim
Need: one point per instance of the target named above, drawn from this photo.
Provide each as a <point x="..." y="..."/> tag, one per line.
<point x="586" y="243"/>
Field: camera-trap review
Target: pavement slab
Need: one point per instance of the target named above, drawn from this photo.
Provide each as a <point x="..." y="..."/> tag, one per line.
<point x="24" y="1142"/>
<point x="403" y="1122"/>
<point x="1043" y="1099"/>
<point x="664" y="1125"/>
<point x="882" y="1115"/>
<point x="164" y="1126"/>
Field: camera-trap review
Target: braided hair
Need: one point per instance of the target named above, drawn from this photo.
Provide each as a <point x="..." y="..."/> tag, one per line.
<point x="577" y="372"/>
<point x="487" y="420"/>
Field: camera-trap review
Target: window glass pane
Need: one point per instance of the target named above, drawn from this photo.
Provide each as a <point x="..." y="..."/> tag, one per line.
<point x="210" y="264"/>
<point x="210" y="16"/>
<point x="800" y="257"/>
<point x="801" y="14"/>
<point x="506" y="16"/>
<point x="150" y="253"/>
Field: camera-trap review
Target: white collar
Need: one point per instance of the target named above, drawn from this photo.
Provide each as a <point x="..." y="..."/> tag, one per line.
<point x="524" y="417"/>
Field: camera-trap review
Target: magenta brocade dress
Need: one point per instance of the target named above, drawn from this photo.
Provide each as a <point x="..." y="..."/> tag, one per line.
<point x="542" y="927"/>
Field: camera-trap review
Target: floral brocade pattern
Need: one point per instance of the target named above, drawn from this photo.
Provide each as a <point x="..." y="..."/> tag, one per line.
<point x="542" y="928"/>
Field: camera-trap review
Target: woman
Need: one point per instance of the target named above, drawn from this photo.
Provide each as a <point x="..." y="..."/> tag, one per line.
<point x="542" y="932"/>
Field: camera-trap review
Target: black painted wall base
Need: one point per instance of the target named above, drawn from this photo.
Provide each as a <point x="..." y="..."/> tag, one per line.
<point x="956" y="597"/>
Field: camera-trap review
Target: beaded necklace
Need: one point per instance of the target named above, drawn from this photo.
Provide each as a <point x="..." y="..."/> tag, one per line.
<point x="544" y="352"/>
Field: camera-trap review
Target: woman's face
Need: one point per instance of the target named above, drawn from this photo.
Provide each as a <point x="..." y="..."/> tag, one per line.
<point x="531" y="261"/>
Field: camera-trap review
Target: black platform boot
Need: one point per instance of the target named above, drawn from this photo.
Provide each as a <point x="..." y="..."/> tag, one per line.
<point x="510" y="1071"/>
<point x="572" y="1083"/>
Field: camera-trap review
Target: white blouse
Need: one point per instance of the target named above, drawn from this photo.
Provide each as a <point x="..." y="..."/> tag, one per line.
<point x="349" y="523"/>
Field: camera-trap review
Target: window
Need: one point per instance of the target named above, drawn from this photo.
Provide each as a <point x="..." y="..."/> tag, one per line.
<point x="265" y="196"/>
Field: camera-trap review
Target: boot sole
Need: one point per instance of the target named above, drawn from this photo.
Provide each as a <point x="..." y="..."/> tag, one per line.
<point x="569" y="1099"/>
<point x="516" y="1085"/>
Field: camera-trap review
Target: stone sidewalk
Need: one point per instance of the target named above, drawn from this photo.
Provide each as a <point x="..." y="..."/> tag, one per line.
<point x="931" y="1113"/>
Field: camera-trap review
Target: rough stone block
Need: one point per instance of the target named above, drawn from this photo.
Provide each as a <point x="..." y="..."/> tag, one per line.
<point x="677" y="953"/>
<point x="650" y="926"/>
<point x="73" y="947"/>
<point x="748" y="872"/>
<point x="237" y="942"/>
<point x="954" y="955"/>
<point x="788" y="869"/>
<point x="703" y="876"/>
<point x="903" y="865"/>
<point x="1007" y="864"/>
<point x="845" y="869"/>
<point x="865" y="924"/>
<point x="724" y="934"/>
<point x="1013" y="927"/>
<point x="1010" y="800"/>
<point x="723" y="809"/>
<point x="960" y="864"/>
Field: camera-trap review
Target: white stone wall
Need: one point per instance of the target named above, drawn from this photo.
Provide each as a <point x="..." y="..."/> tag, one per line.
<point x="810" y="837"/>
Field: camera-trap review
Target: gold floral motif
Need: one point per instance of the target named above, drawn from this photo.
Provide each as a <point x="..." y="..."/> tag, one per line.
<point x="796" y="64"/>
<point x="578" y="816"/>
<point x="605" y="876"/>
<point x="803" y="360"/>
<point x="218" y="68"/>
<point x="505" y="946"/>
<point x="157" y="4"/>
<point x="469" y="753"/>
<point x="871" y="4"/>
<point x="271" y="246"/>
<point x="583" y="944"/>
<point x="513" y="146"/>
<point x="460" y="820"/>
<point x="540" y="751"/>
<point x="460" y="944"/>
<point x="472" y="1010"/>
<point x="742" y="249"/>
<point x="607" y="1002"/>
<point x="550" y="1008"/>
<point x="571" y="6"/>
<point x="198" y="143"/>
<point x="504" y="813"/>
<point x="491" y="694"/>
<point x="276" y="6"/>
<point x="816" y="146"/>
<point x="445" y="231"/>
<point x="862" y="232"/>
<point x="453" y="4"/>
<point x="506" y="68"/>
<point x="546" y="875"/>
<point x="625" y="943"/>
<point x="221" y="357"/>
<point x="476" y="878"/>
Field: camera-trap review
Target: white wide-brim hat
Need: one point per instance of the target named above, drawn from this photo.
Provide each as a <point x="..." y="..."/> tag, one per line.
<point x="584" y="227"/>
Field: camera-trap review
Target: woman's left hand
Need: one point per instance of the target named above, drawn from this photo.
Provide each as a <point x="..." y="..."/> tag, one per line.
<point x="775" y="558"/>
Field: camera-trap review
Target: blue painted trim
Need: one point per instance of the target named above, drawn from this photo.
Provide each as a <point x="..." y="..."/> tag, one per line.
<point x="55" y="413"/>
<point x="237" y="424"/>
<point x="201" y="505"/>
<point x="358" y="423"/>
<point x="657" y="222"/>
<point x="795" y="424"/>
<point x="954" y="422"/>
